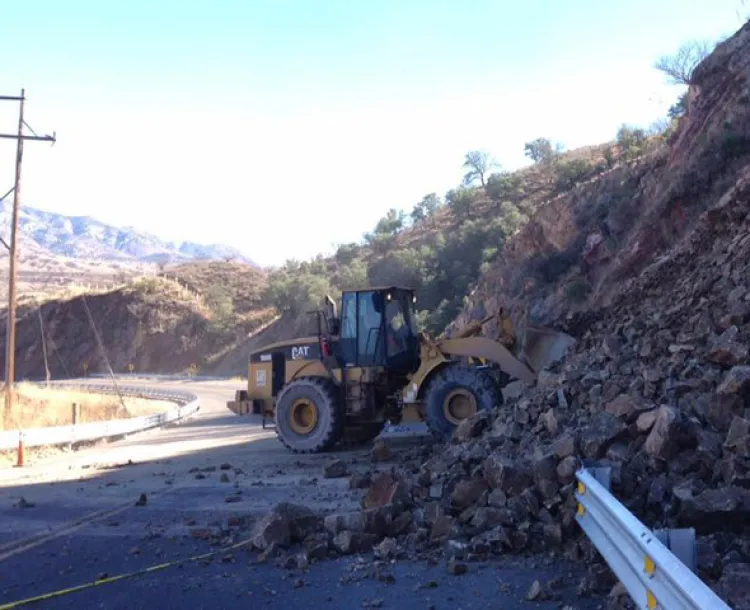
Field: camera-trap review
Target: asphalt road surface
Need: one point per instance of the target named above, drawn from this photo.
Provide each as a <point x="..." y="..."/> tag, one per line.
<point x="69" y="518"/>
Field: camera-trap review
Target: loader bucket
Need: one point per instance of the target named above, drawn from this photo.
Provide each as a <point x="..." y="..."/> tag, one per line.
<point x="543" y="346"/>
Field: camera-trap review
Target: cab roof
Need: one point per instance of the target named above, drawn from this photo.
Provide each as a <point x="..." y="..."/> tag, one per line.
<point x="379" y="289"/>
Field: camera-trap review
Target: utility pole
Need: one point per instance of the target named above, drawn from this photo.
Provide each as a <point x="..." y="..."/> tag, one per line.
<point x="10" y="336"/>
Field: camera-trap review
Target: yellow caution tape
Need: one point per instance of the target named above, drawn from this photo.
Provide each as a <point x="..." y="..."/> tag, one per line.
<point x="109" y="579"/>
<point x="19" y="546"/>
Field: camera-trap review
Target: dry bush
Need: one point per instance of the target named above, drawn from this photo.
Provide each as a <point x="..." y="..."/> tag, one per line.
<point x="37" y="407"/>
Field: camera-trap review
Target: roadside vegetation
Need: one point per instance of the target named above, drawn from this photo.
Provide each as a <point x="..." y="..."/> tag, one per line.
<point x="443" y="244"/>
<point x="37" y="407"/>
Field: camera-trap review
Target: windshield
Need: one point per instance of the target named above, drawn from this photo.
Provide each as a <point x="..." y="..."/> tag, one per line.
<point x="399" y="322"/>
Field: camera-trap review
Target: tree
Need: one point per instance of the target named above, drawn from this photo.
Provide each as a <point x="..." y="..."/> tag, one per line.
<point x="346" y="253"/>
<point x="571" y="172"/>
<point x="460" y="201"/>
<point x="631" y="140"/>
<point x="504" y="186"/>
<point x="294" y="293"/>
<point x="403" y="268"/>
<point x="353" y="276"/>
<point x="679" y="108"/>
<point x="541" y="150"/>
<point x="478" y="163"/>
<point x="425" y="208"/>
<point x="417" y="214"/>
<point x="222" y="308"/>
<point x="680" y="67"/>
<point x="391" y="223"/>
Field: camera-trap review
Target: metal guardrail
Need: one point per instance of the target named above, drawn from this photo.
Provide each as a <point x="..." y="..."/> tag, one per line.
<point x="164" y="376"/>
<point x="653" y="576"/>
<point x="186" y="404"/>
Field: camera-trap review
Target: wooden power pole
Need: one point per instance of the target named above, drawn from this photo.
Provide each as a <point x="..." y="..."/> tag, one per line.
<point x="10" y="336"/>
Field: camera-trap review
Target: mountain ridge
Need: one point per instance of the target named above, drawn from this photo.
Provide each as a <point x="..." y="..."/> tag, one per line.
<point x="85" y="237"/>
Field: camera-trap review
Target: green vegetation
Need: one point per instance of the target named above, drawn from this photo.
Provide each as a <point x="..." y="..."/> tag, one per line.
<point x="444" y="244"/>
<point x="442" y="247"/>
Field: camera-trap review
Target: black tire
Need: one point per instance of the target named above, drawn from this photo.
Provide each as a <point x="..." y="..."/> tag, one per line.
<point x="328" y="425"/>
<point x="452" y="377"/>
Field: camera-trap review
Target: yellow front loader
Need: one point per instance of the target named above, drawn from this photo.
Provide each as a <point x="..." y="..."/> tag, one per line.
<point x="371" y="364"/>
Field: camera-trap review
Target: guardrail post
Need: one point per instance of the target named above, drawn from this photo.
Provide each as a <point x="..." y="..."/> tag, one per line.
<point x="601" y="472"/>
<point x="657" y="568"/>
<point x="682" y="544"/>
<point x="76" y="413"/>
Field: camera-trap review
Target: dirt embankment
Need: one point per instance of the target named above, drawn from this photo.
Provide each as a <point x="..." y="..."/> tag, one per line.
<point x="155" y="324"/>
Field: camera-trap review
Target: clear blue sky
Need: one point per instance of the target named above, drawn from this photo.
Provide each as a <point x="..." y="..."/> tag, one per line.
<point x="285" y="126"/>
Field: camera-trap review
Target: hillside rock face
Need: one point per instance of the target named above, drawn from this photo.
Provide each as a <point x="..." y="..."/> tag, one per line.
<point x="606" y="232"/>
<point x="658" y="384"/>
<point x="167" y="336"/>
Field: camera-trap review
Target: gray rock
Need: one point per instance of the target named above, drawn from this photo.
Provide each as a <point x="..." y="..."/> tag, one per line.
<point x="510" y="476"/>
<point x="603" y="430"/>
<point x="335" y="469"/>
<point x="728" y="354"/>
<point x="347" y="542"/>
<point x="646" y="421"/>
<point x="738" y="437"/>
<point x="285" y="524"/>
<point x="467" y="492"/>
<point x="514" y="390"/>
<point x="663" y="441"/>
<point x="565" y="446"/>
<point x="734" y="585"/>
<point x="736" y="382"/>
<point x="471" y="427"/>
<point x="625" y="407"/>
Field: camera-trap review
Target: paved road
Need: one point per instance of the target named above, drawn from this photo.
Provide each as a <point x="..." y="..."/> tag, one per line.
<point x="84" y="524"/>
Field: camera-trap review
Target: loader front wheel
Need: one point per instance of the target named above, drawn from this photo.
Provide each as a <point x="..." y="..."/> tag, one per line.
<point x="456" y="392"/>
<point x="308" y="415"/>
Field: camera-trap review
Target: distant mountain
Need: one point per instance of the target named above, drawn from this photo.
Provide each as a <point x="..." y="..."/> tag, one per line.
<point x="87" y="238"/>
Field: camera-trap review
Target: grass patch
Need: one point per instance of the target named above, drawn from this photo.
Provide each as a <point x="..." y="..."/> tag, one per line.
<point x="40" y="407"/>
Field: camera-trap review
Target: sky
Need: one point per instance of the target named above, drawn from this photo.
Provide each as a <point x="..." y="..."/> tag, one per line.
<point x="285" y="127"/>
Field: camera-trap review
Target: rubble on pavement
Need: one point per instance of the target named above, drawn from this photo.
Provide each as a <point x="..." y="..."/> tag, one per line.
<point x="658" y="388"/>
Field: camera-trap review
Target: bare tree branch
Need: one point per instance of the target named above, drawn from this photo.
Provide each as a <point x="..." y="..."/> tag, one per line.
<point x="681" y="66"/>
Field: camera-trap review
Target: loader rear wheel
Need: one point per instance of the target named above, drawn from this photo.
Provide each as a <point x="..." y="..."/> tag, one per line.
<point x="456" y="392"/>
<point x="308" y="415"/>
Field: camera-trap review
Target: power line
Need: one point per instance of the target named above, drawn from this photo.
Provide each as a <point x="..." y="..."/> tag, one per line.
<point x="10" y="336"/>
<point x="104" y="353"/>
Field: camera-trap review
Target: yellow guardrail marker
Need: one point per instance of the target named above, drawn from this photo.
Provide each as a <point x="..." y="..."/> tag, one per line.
<point x="649" y="566"/>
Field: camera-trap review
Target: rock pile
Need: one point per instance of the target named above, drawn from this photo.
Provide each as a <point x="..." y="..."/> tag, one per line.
<point x="658" y="388"/>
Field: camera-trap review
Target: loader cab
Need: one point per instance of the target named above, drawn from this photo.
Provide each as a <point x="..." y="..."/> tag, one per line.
<point x="378" y="329"/>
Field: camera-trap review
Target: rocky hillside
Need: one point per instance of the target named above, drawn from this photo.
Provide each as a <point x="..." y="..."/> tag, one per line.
<point x="648" y="264"/>
<point x="83" y="237"/>
<point x="157" y="324"/>
<point x="581" y="250"/>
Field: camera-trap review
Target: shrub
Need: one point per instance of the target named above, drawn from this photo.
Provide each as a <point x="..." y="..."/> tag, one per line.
<point x="570" y="173"/>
